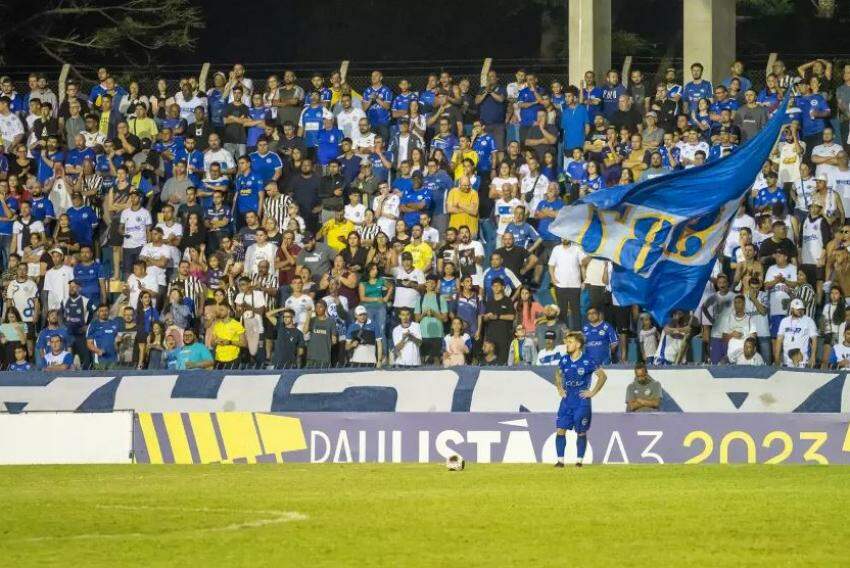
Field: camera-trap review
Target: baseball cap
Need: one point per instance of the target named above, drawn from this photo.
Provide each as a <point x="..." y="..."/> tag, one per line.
<point x="59" y="250"/>
<point x="550" y="335"/>
<point x="797" y="304"/>
<point x="821" y="177"/>
<point x="307" y="237"/>
<point x="652" y="113"/>
<point x="359" y="310"/>
<point x="406" y="256"/>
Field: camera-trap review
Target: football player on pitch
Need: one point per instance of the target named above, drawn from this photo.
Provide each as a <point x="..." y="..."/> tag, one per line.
<point x="573" y="379"/>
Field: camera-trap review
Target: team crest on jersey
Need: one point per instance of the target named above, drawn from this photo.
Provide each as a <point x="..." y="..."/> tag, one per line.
<point x="580" y="370"/>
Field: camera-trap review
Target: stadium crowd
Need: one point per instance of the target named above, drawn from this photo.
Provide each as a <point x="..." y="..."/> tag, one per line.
<point x="264" y="224"/>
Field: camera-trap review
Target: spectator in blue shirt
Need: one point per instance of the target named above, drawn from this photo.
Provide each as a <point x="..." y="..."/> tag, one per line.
<point x="591" y="95"/>
<point x="696" y="89"/>
<point x="381" y="159"/>
<point x="53" y="329"/>
<point x="101" y="337"/>
<point x="737" y="70"/>
<point x="814" y="110"/>
<point x="600" y="337"/>
<point x="611" y="91"/>
<point x="377" y="101"/>
<point x="57" y="358"/>
<point x="401" y="102"/>
<point x="484" y="145"/>
<point x="328" y="141"/>
<point x="414" y="200"/>
<point x="770" y="196"/>
<point x="311" y="120"/>
<point x="444" y="140"/>
<point x="575" y="121"/>
<point x="20" y="363"/>
<point x="530" y="101"/>
<point x="492" y="107"/>
<point x="438" y="183"/>
<point x="91" y="276"/>
<point x="250" y="191"/>
<point x="264" y="163"/>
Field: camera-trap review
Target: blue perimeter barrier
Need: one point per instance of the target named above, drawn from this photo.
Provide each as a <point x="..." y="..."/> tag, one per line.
<point x="460" y="389"/>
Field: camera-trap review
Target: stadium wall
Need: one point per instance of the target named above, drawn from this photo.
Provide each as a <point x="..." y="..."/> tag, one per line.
<point x="66" y="438"/>
<point x="616" y="438"/>
<point x="458" y="390"/>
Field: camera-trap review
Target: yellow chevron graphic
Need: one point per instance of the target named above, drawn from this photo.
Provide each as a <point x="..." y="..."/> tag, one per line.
<point x="245" y="436"/>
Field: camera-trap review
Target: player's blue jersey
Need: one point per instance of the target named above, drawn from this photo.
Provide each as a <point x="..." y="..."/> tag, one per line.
<point x="598" y="341"/>
<point x="577" y="376"/>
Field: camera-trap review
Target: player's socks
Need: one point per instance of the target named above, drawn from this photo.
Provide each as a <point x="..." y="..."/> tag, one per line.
<point x="581" y="446"/>
<point x="560" y="446"/>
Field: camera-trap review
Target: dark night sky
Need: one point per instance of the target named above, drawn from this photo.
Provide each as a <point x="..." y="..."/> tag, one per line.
<point x="437" y="31"/>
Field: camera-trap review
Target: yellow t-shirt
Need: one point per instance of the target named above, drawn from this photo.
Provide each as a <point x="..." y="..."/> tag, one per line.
<point x="143" y="128"/>
<point x="422" y="254"/>
<point x="333" y="231"/>
<point x="103" y="124"/>
<point x="470" y="201"/>
<point x="230" y="331"/>
<point x="457" y="161"/>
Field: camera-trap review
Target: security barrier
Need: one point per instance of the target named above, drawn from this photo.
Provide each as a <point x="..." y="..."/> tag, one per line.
<point x="462" y="389"/>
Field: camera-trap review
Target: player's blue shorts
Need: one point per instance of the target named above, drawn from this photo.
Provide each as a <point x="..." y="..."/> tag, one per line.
<point x="573" y="417"/>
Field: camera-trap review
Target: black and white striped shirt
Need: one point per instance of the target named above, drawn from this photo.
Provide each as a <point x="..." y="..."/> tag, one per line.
<point x="275" y="207"/>
<point x="260" y="283"/>
<point x="191" y="287"/>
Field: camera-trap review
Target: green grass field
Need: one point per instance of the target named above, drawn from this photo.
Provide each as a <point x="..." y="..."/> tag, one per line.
<point x="423" y="515"/>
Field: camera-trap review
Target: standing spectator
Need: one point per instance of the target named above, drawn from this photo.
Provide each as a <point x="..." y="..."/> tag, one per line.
<point x="102" y="339"/>
<point x="462" y="206"/>
<point x="601" y="338"/>
<point x="432" y="313"/>
<point x="320" y="334"/>
<point x="361" y="341"/>
<point x="491" y="102"/>
<point x="644" y="393"/>
<point x="407" y="339"/>
<point x="228" y="338"/>
<point x="377" y="101"/>
<point x="457" y="345"/>
<point x="566" y="272"/>
<point x="236" y="118"/>
<point x="499" y="315"/>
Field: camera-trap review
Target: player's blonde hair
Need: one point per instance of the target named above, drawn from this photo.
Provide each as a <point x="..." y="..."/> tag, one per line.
<point x="576" y="335"/>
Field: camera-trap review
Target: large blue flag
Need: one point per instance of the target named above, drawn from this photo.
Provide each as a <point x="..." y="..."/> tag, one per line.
<point x="663" y="235"/>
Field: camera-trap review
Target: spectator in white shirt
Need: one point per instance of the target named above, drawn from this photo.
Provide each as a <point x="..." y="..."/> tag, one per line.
<point x="796" y="331"/>
<point x="749" y="355"/>
<point x="261" y="250"/>
<point x="566" y="271"/>
<point x="349" y="116"/>
<point x="215" y="154"/>
<point x="407" y="337"/>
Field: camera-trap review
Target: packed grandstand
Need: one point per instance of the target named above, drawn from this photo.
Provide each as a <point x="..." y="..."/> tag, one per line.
<point x="287" y="221"/>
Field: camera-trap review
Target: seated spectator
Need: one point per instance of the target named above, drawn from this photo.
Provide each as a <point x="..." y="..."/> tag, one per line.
<point x="644" y="393"/>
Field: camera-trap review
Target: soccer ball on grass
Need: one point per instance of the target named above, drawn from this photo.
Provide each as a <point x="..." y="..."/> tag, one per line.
<point x="455" y="463"/>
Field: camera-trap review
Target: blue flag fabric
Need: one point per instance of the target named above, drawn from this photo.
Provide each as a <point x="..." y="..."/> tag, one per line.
<point x="663" y="235"/>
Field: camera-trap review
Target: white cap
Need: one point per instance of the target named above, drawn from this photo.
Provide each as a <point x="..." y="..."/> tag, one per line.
<point x="359" y="310"/>
<point x="821" y="177"/>
<point x="797" y="304"/>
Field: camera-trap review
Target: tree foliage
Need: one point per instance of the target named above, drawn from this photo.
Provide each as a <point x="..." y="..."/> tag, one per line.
<point x="81" y="31"/>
